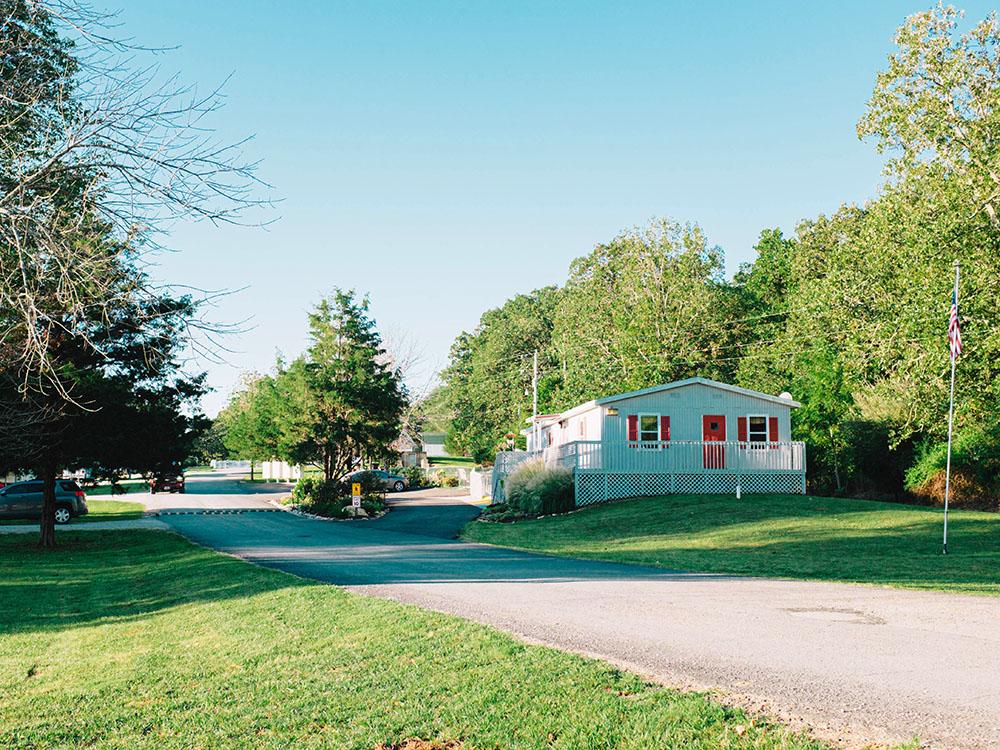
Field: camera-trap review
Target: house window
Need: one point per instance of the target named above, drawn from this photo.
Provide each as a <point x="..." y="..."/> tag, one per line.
<point x="757" y="431"/>
<point x="649" y="428"/>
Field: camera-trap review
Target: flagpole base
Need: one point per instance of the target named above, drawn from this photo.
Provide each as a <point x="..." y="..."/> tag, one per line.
<point x="944" y="549"/>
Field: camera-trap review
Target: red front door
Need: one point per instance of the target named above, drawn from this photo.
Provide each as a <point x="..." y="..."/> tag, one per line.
<point x="713" y="430"/>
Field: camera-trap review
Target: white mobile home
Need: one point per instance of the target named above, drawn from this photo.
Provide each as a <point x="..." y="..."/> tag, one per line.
<point x="690" y="436"/>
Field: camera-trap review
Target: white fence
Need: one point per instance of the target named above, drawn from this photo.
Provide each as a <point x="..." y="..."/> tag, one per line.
<point x="230" y="465"/>
<point x="506" y="462"/>
<point x="679" y="457"/>
<point x="480" y="484"/>
<point x="279" y="471"/>
<point x="609" y="471"/>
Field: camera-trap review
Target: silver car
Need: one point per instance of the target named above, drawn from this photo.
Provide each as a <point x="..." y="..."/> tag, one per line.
<point x="24" y="500"/>
<point x="384" y="479"/>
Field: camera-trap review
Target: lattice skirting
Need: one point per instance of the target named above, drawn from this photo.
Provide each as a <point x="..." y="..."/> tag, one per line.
<point x="596" y="487"/>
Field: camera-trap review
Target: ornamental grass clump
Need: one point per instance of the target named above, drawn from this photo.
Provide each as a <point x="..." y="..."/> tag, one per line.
<point x="536" y="490"/>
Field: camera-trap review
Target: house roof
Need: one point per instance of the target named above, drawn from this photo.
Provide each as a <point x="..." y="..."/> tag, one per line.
<point x="547" y="419"/>
<point x="694" y="381"/>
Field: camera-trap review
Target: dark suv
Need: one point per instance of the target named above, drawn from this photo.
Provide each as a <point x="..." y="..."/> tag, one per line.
<point x="167" y="483"/>
<point x="24" y="500"/>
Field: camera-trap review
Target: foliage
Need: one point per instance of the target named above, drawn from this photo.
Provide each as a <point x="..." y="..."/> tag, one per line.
<point x="342" y="400"/>
<point x="936" y="107"/>
<point x="331" y="498"/>
<point x="444" y="478"/>
<point x="496" y="360"/>
<point x="646" y="308"/>
<point x="249" y="422"/>
<point x="535" y="490"/>
<point x="435" y="410"/>
<point x="784" y="536"/>
<point x="415" y="476"/>
<point x="975" y="463"/>
<point x="97" y="157"/>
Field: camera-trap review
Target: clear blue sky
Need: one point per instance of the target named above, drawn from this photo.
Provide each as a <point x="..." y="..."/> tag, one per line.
<point x="444" y="156"/>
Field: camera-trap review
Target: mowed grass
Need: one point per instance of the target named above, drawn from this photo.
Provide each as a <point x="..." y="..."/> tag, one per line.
<point x="129" y="485"/>
<point x="100" y="510"/>
<point x="789" y="536"/>
<point x="139" y="639"/>
<point x="463" y="461"/>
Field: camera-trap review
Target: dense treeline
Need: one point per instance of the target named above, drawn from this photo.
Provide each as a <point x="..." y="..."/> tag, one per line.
<point x="849" y="314"/>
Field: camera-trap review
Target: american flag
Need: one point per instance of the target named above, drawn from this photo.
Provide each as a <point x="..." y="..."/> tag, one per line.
<point x="954" y="330"/>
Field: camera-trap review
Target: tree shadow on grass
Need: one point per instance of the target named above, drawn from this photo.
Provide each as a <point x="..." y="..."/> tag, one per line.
<point x="103" y="576"/>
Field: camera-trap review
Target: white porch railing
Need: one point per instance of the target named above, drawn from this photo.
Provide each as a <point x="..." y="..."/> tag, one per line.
<point x="679" y="457"/>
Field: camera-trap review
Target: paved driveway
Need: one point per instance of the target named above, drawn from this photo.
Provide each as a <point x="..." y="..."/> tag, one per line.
<point x="863" y="663"/>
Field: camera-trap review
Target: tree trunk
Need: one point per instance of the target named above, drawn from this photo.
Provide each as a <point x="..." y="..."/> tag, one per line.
<point x="836" y="461"/>
<point x="47" y="536"/>
<point x="251" y="469"/>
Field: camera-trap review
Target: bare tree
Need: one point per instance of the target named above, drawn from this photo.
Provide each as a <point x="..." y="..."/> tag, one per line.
<point x="99" y="156"/>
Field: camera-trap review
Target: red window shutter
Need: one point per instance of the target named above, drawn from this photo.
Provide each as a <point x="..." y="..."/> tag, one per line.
<point x="633" y="426"/>
<point x="772" y="429"/>
<point x="664" y="427"/>
<point x="741" y="429"/>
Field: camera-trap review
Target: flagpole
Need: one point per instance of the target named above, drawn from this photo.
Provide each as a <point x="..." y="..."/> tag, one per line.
<point x="951" y="425"/>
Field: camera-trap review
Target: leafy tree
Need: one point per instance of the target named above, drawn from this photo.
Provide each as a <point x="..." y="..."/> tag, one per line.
<point x="342" y="401"/>
<point x="131" y="406"/>
<point x="648" y="307"/>
<point x="249" y="424"/>
<point x="937" y="105"/>
<point x="487" y="384"/>
<point x="96" y="159"/>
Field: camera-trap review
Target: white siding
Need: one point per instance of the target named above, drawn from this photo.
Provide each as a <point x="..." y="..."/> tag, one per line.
<point x="687" y="405"/>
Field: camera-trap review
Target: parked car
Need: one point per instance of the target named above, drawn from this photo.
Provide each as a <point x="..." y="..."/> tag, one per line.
<point x="24" y="500"/>
<point x="384" y="479"/>
<point x="167" y="483"/>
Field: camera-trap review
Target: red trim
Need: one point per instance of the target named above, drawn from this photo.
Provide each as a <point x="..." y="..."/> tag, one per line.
<point x="633" y="427"/>
<point x="741" y="429"/>
<point x="664" y="427"/>
<point x="772" y="429"/>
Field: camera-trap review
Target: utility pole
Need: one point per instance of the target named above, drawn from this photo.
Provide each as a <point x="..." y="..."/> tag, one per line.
<point x="534" y="402"/>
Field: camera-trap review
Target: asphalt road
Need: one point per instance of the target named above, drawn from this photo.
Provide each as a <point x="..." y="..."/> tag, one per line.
<point x="858" y="663"/>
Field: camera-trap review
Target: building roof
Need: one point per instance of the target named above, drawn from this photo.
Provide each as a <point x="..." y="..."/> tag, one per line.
<point x="696" y="381"/>
<point x="547" y="419"/>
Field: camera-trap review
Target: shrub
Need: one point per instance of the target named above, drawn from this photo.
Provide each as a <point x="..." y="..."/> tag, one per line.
<point x="315" y="495"/>
<point x="975" y="470"/>
<point x="415" y="476"/>
<point x="535" y="490"/>
<point x="445" y="479"/>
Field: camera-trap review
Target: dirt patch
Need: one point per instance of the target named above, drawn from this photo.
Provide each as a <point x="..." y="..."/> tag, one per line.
<point x="414" y="743"/>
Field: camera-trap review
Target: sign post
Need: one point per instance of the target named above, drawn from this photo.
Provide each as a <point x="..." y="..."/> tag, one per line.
<point x="356" y="497"/>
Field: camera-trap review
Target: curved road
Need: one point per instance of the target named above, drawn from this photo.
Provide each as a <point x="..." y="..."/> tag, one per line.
<point x="858" y="663"/>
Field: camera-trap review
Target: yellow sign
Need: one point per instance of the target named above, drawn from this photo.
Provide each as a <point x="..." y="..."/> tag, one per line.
<point x="356" y="489"/>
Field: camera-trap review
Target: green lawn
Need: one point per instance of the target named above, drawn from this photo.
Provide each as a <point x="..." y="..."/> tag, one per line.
<point x="791" y="536"/>
<point x="464" y="461"/>
<point x="129" y="485"/>
<point x="141" y="640"/>
<point x="100" y="510"/>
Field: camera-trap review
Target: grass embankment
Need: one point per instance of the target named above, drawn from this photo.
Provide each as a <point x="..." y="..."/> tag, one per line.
<point x="142" y="640"/>
<point x="791" y="536"/>
<point x="100" y="510"/>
